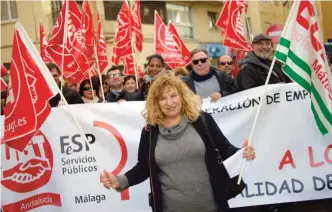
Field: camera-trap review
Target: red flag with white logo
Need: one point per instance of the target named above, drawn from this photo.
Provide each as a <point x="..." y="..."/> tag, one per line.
<point x="123" y="34"/>
<point x="101" y="46"/>
<point x="239" y="55"/>
<point x="129" y="66"/>
<point x="223" y="18"/>
<point x="30" y="88"/>
<point x="182" y="47"/>
<point x="141" y="73"/>
<point x="88" y="27"/>
<point x="66" y="29"/>
<point x="165" y="44"/>
<point x="234" y="33"/>
<point x="4" y="71"/>
<point x="137" y="24"/>
<point x="43" y="43"/>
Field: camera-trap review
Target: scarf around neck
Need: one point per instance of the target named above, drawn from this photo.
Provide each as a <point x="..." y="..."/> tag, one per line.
<point x="174" y="132"/>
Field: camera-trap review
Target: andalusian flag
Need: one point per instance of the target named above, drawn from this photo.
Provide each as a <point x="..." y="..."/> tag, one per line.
<point x="302" y="53"/>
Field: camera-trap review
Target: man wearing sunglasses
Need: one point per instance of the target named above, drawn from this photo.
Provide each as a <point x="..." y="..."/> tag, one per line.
<point x="207" y="81"/>
<point x="255" y="66"/>
<point x="226" y="64"/>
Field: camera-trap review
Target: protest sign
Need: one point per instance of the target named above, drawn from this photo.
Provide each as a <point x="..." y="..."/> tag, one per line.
<point x="59" y="172"/>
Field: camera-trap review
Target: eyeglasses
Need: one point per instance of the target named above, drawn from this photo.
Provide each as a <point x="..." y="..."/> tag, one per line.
<point x="86" y="88"/>
<point x="115" y="75"/>
<point x="228" y="63"/>
<point x="203" y="60"/>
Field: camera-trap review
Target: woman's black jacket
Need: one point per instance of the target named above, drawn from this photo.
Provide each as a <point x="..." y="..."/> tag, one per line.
<point x="146" y="166"/>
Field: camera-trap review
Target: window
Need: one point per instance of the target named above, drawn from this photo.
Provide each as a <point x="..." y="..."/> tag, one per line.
<point x="56" y="8"/>
<point x="212" y="20"/>
<point x="148" y="8"/>
<point x="180" y="16"/>
<point x="8" y="10"/>
<point x="112" y="9"/>
<point x="79" y="2"/>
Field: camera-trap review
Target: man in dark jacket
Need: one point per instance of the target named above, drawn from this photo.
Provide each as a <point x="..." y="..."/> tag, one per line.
<point x="115" y="79"/>
<point x="71" y="96"/>
<point x="207" y="81"/>
<point x="254" y="68"/>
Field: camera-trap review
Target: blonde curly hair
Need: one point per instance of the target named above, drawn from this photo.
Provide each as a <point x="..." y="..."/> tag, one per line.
<point x="153" y="114"/>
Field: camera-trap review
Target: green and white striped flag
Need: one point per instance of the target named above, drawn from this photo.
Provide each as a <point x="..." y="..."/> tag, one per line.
<point x="302" y="53"/>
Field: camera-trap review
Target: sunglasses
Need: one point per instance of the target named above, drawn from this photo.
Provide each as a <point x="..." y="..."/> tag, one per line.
<point x="86" y="88"/>
<point x="228" y="63"/>
<point x="203" y="60"/>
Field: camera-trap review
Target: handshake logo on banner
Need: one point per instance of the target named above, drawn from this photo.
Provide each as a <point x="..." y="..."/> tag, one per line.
<point x="27" y="171"/>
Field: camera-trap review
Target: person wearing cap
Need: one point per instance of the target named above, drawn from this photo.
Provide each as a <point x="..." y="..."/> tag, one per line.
<point x="254" y="68"/>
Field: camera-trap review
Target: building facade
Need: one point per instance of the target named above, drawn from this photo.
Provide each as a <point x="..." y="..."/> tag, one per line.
<point x="194" y="20"/>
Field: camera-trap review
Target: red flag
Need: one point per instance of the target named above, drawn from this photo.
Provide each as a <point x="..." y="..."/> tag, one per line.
<point x="101" y="46"/>
<point x="78" y="29"/>
<point x="88" y="33"/>
<point x="129" y="66"/>
<point x="182" y="47"/>
<point x="123" y="34"/>
<point x="87" y="21"/>
<point x="239" y="55"/>
<point x="93" y="70"/>
<point x="141" y="73"/>
<point x="30" y="88"/>
<point x="137" y="24"/>
<point x="234" y="33"/>
<point x="165" y="44"/>
<point x="43" y="43"/>
<point x="64" y="34"/>
<point x="4" y="71"/>
<point x="223" y="18"/>
<point x="3" y="84"/>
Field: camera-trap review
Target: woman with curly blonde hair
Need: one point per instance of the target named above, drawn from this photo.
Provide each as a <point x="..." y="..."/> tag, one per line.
<point x="179" y="155"/>
<point x="154" y="113"/>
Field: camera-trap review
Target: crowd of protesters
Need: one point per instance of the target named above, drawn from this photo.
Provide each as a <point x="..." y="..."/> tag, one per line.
<point x="201" y="78"/>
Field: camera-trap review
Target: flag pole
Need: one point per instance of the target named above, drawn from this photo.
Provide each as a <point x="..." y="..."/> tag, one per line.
<point x="133" y="47"/>
<point x="96" y="55"/>
<point x="99" y="73"/>
<point x="248" y="27"/>
<point x="256" y="116"/>
<point x="134" y="51"/>
<point x="64" y="43"/>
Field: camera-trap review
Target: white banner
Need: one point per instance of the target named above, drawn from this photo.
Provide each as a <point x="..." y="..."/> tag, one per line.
<point x="58" y="172"/>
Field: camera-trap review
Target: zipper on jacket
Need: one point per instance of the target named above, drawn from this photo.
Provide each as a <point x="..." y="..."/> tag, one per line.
<point x="152" y="190"/>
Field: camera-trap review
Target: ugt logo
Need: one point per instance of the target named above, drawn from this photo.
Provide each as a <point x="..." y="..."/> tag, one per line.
<point x="30" y="169"/>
